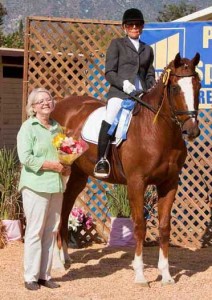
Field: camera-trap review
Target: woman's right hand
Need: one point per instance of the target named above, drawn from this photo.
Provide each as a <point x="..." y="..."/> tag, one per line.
<point x="55" y="166"/>
<point x="58" y="167"/>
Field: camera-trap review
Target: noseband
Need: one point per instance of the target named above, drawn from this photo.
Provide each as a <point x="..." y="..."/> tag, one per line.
<point x="175" y="113"/>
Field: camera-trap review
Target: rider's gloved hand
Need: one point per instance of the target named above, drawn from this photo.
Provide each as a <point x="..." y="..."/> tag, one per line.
<point x="128" y="87"/>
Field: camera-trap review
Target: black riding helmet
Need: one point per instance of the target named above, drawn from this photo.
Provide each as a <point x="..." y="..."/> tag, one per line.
<point x="132" y="14"/>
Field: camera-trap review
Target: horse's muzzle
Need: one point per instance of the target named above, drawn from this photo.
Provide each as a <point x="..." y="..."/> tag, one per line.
<point x="191" y="130"/>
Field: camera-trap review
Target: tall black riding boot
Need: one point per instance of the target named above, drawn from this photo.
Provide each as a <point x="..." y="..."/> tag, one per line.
<point x="102" y="168"/>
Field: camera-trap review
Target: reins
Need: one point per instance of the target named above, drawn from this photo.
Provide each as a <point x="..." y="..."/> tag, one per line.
<point x="150" y="107"/>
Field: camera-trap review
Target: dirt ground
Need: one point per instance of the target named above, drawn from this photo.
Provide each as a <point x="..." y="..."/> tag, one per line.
<point x="102" y="273"/>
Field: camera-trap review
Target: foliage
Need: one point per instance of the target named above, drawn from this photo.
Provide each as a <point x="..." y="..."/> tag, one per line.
<point x="13" y="40"/>
<point x="3" y="235"/>
<point x="119" y="206"/>
<point x="3" y="12"/>
<point x="118" y="202"/>
<point x="172" y="12"/>
<point x="10" y="198"/>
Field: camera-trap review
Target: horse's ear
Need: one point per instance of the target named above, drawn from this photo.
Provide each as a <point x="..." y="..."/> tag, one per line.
<point x="196" y="59"/>
<point x="177" y="60"/>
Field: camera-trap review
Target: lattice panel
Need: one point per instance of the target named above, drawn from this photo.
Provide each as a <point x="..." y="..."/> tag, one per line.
<point x="192" y="209"/>
<point x="93" y="199"/>
<point x="67" y="57"/>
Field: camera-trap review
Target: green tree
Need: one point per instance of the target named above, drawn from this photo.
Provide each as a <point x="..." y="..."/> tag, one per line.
<point x="15" y="39"/>
<point x="172" y="12"/>
<point x="3" y="12"/>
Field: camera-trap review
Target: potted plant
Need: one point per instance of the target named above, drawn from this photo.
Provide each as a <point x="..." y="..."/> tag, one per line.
<point x="10" y="198"/>
<point x="121" y="233"/>
<point x="78" y="220"/>
<point x="3" y="235"/>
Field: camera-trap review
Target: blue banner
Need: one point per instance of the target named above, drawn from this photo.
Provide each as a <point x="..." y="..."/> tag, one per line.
<point x="167" y="39"/>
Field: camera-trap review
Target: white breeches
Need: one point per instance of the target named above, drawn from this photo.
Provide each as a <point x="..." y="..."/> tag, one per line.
<point x="113" y="107"/>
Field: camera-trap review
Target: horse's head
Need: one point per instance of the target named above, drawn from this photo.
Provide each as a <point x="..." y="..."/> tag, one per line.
<point x="183" y="85"/>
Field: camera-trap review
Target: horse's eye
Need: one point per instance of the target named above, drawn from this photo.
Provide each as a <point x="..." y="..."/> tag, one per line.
<point x="175" y="88"/>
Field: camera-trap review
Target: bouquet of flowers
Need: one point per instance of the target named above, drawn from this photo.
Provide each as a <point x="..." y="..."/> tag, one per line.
<point x="78" y="218"/>
<point x="69" y="148"/>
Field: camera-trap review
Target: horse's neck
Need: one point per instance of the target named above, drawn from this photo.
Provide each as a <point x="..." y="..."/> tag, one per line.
<point x="158" y="99"/>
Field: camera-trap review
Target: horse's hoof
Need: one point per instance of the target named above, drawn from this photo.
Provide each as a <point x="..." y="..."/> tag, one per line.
<point x="67" y="264"/>
<point x="169" y="282"/>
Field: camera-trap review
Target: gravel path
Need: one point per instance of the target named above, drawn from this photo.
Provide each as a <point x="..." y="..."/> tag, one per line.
<point x="102" y="273"/>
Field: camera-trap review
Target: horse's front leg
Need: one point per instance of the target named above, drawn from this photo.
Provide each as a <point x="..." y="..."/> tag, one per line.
<point x="166" y="196"/>
<point x="136" y="198"/>
<point x="75" y="185"/>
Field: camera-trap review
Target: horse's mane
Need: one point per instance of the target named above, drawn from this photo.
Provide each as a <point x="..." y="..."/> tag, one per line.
<point x="159" y="79"/>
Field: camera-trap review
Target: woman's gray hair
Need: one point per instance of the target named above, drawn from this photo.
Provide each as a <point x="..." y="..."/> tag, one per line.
<point x="32" y="99"/>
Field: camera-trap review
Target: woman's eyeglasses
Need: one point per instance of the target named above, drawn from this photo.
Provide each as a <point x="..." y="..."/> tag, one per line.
<point x="130" y="25"/>
<point x="42" y="101"/>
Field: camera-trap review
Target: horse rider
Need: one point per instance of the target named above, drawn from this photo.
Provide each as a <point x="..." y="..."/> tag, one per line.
<point x="128" y="68"/>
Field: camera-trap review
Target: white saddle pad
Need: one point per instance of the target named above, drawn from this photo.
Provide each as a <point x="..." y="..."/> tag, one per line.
<point x="91" y="128"/>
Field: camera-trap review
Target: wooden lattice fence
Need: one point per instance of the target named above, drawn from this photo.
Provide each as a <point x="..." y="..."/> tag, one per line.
<point x="67" y="56"/>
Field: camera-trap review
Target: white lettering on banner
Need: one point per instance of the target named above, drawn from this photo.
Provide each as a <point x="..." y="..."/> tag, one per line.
<point x="205" y="98"/>
<point x="207" y="36"/>
<point x="208" y="74"/>
<point x="199" y="71"/>
<point x="205" y="72"/>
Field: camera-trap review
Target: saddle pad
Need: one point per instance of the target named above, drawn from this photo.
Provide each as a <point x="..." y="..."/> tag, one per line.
<point x="91" y="128"/>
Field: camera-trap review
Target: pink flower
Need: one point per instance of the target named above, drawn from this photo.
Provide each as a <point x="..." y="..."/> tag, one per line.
<point x="89" y="222"/>
<point x="79" y="218"/>
<point x="69" y="145"/>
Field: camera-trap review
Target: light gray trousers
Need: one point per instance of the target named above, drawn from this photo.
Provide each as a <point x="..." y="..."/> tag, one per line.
<point x="42" y="212"/>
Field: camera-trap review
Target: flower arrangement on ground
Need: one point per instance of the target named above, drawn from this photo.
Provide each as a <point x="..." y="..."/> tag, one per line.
<point x="79" y="218"/>
<point x="69" y="148"/>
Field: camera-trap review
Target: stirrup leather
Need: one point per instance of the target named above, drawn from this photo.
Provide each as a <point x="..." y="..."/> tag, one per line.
<point x="102" y="168"/>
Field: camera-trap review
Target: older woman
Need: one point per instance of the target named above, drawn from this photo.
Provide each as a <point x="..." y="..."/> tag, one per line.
<point x="42" y="188"/>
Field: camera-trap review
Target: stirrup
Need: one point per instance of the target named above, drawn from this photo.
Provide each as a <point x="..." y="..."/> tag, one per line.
<point x="102" y="168"/>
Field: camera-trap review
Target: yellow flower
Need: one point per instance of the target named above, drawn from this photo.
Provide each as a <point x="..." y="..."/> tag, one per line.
<point x="58" y="139"/>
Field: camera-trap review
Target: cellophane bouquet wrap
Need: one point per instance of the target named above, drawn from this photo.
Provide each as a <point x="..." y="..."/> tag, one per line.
<point x="69" y="148"/>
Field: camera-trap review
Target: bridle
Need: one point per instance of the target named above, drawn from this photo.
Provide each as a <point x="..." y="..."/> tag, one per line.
<point x="175" y="113"/>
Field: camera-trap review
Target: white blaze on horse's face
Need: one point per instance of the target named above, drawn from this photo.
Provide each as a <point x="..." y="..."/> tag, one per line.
<point x="186" y="86"/>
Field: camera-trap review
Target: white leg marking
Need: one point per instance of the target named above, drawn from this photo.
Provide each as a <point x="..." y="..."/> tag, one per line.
<point x="163" y="266"/>
<point x="138" y="267"/>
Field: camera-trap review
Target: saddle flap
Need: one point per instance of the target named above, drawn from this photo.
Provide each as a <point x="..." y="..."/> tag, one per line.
<point x="91" y="128"/>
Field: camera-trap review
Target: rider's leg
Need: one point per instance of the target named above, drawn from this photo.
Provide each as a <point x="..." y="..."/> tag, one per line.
<point x="102" y="168"/>
<point x="113" y="107"/>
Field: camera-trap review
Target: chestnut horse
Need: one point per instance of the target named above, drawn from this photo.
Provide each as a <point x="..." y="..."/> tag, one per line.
<point x="154" y="152"/>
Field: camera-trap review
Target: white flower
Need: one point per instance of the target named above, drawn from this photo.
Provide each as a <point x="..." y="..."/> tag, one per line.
<point x="73" y="223"/>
